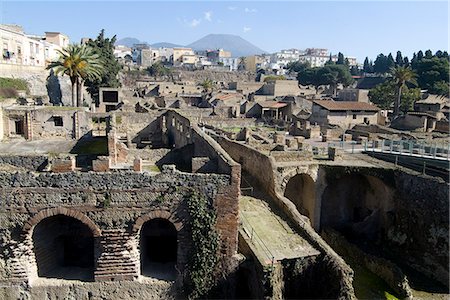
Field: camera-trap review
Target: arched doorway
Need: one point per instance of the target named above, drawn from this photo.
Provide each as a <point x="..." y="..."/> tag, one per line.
<point x="64" y="248"/>
<point x="159" y="249"/>
<point x="300" y="189"/>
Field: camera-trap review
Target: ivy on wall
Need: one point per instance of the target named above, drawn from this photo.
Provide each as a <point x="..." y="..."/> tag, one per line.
<point x="205" y="244"/>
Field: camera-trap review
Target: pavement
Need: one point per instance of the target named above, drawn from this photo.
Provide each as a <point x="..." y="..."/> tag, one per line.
<point x="18" y="147"/>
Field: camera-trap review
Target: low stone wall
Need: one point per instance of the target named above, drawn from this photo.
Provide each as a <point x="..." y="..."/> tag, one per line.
<point x="124" y="290"/>
<point x="32" y="163"/>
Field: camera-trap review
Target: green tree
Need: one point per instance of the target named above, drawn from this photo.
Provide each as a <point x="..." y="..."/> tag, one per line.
<point x="207" y="85"/>
<point x="405" y="61"/>
<point x="355" y="71"/>
<point x="383" y="96"/>
<point x="297" y="66"/>
<point x="399" y="59"/>
<point x="104" y="48"/>
<point x="430" y="71"/>
<point x="158" y="70"/>
<point x="333" y="75"/>
<point x="368" y="66"/>
<point x="380" y="64"/>
<point x="428" y="54"/>
<point x="401" y="75"/>
<point x="80" y="63"/>
<point x="390" y="62"/>
<point x="341" y="59"/>
<point x="309" y="77"/>
<point x="419" y="55"/>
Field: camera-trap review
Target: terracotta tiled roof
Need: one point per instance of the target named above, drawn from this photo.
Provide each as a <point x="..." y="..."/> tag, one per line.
<point x="346" y="105"/>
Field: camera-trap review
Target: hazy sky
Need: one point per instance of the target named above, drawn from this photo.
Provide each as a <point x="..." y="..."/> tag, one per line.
<point x="356" y="28"/>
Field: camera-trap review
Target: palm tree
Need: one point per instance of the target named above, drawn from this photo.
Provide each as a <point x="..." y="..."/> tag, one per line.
<point x="208" y="85"/>
<point x="401" y="75"/>
<point x="79" y="62"/>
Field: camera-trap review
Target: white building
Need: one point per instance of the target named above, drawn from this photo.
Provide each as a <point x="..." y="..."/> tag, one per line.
<point x="19" y="48"/>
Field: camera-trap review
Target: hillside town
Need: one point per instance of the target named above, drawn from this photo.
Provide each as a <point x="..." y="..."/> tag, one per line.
<point x="154" y="172"/>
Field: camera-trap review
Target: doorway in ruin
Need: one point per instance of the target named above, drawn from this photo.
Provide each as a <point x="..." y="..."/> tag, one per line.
<point x="158" y="247"/>
<point x="64" y="249"/>
<point x="300" y="189"/>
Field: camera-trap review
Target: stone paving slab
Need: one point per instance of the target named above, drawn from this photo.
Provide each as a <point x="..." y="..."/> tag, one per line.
<point x="270" y="234"/>
<point x="22" y="147"/>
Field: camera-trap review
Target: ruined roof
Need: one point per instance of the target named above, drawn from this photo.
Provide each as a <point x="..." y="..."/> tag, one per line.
<point x="272" y="104"/>
<point x="346" y="105"/>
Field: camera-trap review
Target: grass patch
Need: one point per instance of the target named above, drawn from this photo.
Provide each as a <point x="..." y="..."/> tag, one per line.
<point x="368" y="285"/>
<point x="97" y="145"/>
<point x="151" y="168"/>
<point x="17" y="84"/>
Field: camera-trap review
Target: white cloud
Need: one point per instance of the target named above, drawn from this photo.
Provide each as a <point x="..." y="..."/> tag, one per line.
<point x="247" y="29"/>
<point x="250" y="10"/>
<point x="232" y="7"/>
<point x="194" y="22"/>
<point x="208" y="16"/>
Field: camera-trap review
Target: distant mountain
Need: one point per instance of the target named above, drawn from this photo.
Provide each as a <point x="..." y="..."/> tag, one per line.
<point x="165" y="45"/>
<point x="128" y="41"/>
<point x="237" y="45"/>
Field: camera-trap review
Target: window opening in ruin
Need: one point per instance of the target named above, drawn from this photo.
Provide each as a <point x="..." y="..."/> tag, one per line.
<point x="354" y="116"/>
<point x="19" y="127"/>
<point x="64" y="249"/>
<point x="158" y="248"/>
<point x="58" y="121"/>
<point x="111" y="96"/>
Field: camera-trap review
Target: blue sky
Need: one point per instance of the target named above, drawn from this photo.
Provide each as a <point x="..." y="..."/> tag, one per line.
<point x="356" y="28"/>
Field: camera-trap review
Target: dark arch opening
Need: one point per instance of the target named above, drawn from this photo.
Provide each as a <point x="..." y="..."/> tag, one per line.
<point x="64" y="249"/>
<point x="300" y="190"/>
<point x="159" y="249"/>
<point x="356" y="205"/>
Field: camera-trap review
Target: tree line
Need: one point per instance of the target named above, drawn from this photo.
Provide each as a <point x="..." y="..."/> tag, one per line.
<point x="432" y="69"/>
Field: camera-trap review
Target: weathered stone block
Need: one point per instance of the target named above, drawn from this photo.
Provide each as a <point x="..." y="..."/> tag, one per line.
<point x="102" y="164"/>
<point x="291" y="143"/>
<point x="279" y="138"/>
<point x="334" y="153"/>
<point x="137" y="164"/>
<point x="63" y="164"/>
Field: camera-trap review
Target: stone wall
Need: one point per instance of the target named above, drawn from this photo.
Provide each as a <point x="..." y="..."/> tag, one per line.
<point x="38" y="81"/>
<point x="178" y="131"/>
<point x="31" y="163"/>
<point x="419" y="232"/>
<point x="262" y="168"/>
<point x="406" y="215"/>
<point x="114" y="206"/>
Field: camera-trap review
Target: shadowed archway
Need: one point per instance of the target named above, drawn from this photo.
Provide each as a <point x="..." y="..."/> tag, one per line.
<point x="64" y="248"/>
<point x="300" y="189"/>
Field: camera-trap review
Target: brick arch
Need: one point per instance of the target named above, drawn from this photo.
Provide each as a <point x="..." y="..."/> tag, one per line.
<point x="43" y="214"/>
<point x="294" y="173"/>
<point x="157" y="214"/>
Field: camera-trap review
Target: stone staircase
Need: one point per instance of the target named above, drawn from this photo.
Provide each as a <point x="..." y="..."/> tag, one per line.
<point x="119" y="259"/>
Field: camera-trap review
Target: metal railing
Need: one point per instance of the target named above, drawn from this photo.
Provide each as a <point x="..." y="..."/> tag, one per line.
<point x="411" y="148"/>
<point x="256" y="240"/>
<point x="247" y="187"/>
